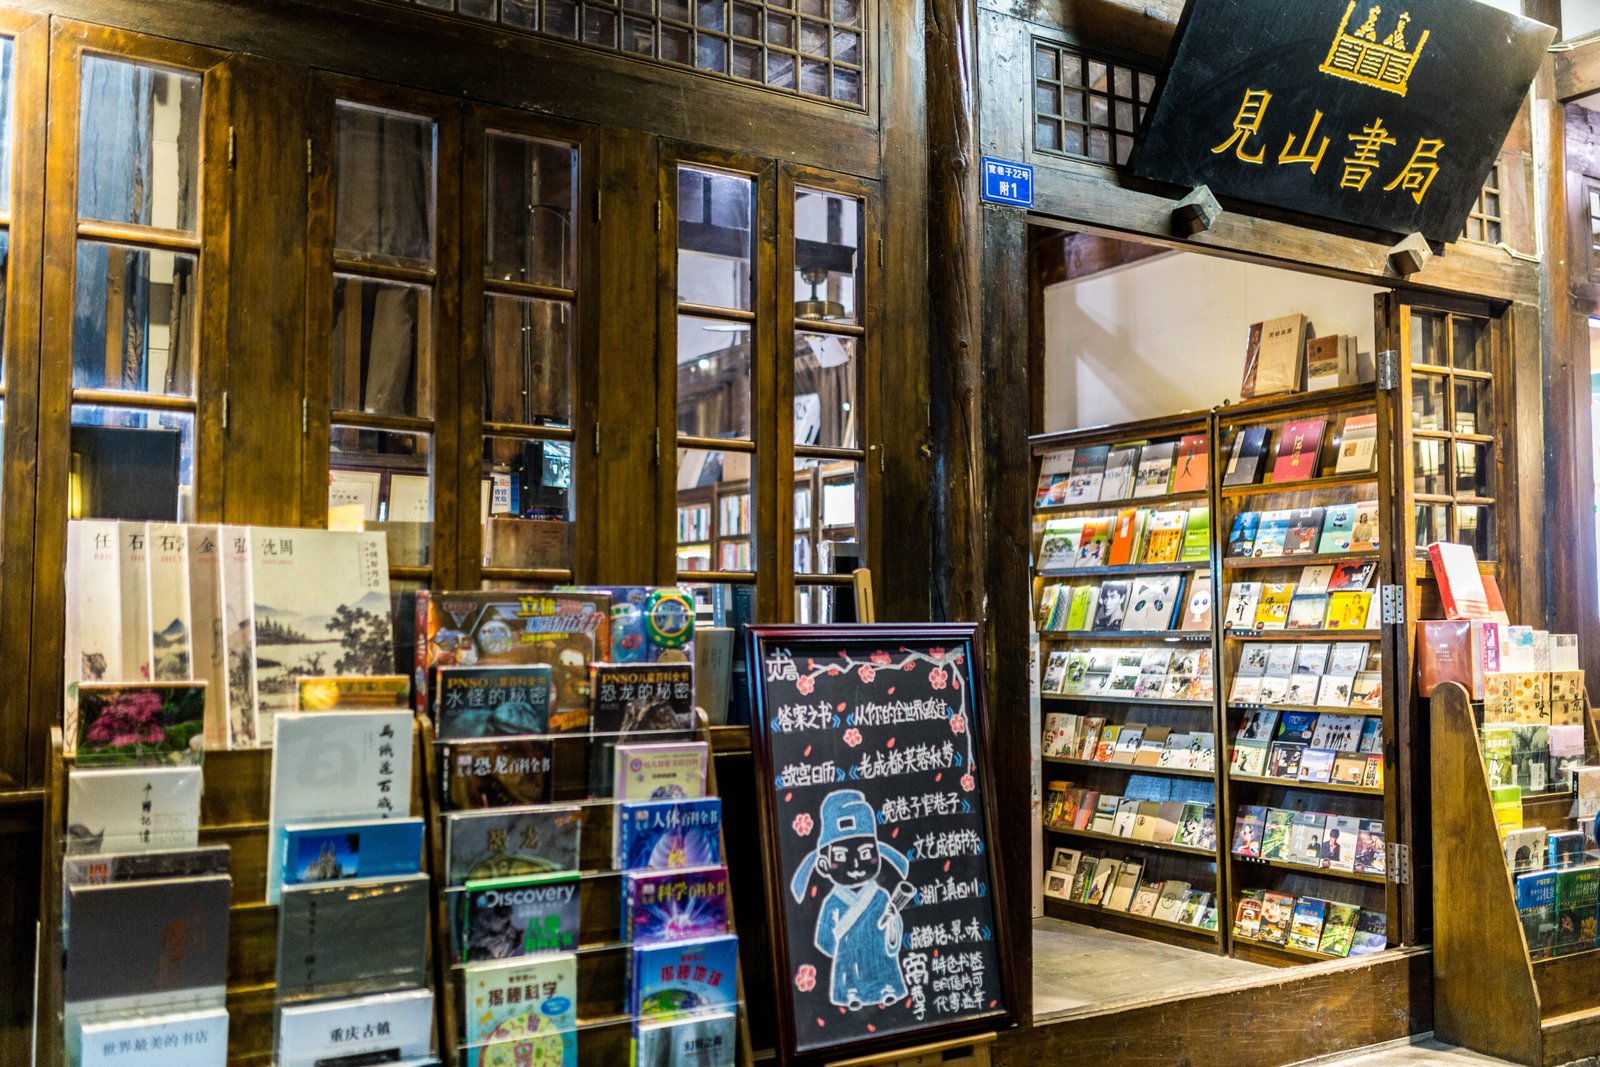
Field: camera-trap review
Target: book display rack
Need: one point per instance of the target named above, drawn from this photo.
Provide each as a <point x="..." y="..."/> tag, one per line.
<point x="1222" y="776"/>
<point x="1516" y="960"/>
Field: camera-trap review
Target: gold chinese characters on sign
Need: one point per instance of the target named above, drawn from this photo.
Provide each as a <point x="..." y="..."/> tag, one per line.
<point x="1361" y="57"/>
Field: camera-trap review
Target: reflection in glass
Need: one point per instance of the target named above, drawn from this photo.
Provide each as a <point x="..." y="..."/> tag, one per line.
<point x="715" y="511"/>
<point x="827" y="255"/>
<point x="1475" y="527"/>
<point x="1474" y="469"/>
<point x="381" y="344"/>
<point x="138" y="144"/>
<point x="1431" y="478"/>
<point x="1471" y="343"/>
<point x="5" y="274"/>
<point x="1474" y="406"/>
<point x="134" y="319"/>
<point x="1427" y="338"/>
<point x="527" y="503"/>
<point x="817" y="604"/>
<point x="8" y="67"/>
<point x="528" y="215"/>
<point x="825" y="390"/>
<point x="389" y="476"/>
<point x="384" y="171"/>
<point x="1427" y="402"/>
<point x="1433" y="524"/>
<point x="714" y="383"/>
<point x="131" y="464"/>
<point x="714" y="257"/>
<point x="527" y="365"/>
<point x="833" y="536"/>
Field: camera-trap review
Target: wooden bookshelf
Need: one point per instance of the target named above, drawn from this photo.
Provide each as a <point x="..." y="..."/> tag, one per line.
<point x="1304" y="560"/>
<point x="1489" y="994"/>
<point x="1091" y="506"/>
<point x="1129" y="842"/>
<point x="1193" y="636"/>
<point x="1149" y="702"/>
<point x="1302" y="868"/>
<point x="1321" y="787"/>
<point x="1131" y="768"/>
<point x="1126" y="921"/>
<point x="1124" y="569"/>
<point x="1302" y="485"/>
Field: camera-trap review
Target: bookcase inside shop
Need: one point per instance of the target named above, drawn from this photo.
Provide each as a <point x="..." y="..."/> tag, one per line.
<point x="1306" y="667"/>
<point x="1122" y="596"/>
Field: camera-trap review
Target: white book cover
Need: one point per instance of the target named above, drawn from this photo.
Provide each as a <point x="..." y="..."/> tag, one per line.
<point x="1348" y="657"/>
<point x="383" y="1027"/>
<point x="1242" y="600"/>
<point x="209" y="661"/>
<point x="336" y="765"/>
<point x="133" y="544"/>
<point x="320" y="606"/>
<point x="167" y="572"/>
<point x="93" y="639"/>
<point x="181" y="1039"/>
<point x="238" y="635"/>
<point x="132" y="809"/>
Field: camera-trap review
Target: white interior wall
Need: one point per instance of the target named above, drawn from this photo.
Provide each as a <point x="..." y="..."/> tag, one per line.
<point x="1168" y="334"/>
<point x="1579" y="18"/>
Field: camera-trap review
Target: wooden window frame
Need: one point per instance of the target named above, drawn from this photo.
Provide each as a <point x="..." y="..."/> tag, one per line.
<point x="69" y="43"/>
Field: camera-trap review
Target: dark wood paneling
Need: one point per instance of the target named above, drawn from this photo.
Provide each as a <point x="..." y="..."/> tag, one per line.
<point x="21" y="819"/>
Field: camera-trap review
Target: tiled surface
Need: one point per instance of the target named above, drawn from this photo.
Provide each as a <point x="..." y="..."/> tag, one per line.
<point x="1081" y="969"/>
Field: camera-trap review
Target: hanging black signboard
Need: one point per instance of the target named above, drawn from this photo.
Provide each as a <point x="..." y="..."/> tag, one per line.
<point x="1387" y="115"/>
<point x="876" y="800"/>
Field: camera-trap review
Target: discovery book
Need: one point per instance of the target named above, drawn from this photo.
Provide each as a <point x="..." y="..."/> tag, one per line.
<point x="529" y="915"/>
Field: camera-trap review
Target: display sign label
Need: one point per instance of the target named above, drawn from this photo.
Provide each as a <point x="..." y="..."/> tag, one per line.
<point x="1385" y="116"/>
<point x="1005" y="182"/>
<point x="877" y="801"/>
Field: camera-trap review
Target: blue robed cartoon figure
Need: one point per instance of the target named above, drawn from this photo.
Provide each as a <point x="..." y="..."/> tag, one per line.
<point x="859" y="927"/>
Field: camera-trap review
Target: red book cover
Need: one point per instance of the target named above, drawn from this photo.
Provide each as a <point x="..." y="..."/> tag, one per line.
<point x="1193" y="464"/>
<point x="1298" y="448"/>
<point x="1455" y="568"/>
<point x="1444" y="654"/>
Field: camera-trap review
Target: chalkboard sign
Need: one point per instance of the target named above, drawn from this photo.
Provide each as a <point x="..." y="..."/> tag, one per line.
<point x="883" y="891"/>
<point x="1384" y="115"/>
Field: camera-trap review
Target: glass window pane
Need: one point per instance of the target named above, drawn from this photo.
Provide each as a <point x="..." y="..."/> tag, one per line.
<point x="837" y="489"/>
<point x="1474" y="470"/>
<point x="388" y="475"/>
<point x="1475" y="527"/>
<point x="138" y="144"/>
<point x="716" y="516"/>
<point x="1471" y="343"/>
<point x="382" y="346"/>
<point x="1433" y="524"/>
<point x="527" y="503"/>
<point x="384" y="178"/>
<point x="714" y="257"/>
<point x="1427" y="338"/>
<point x="827" y="256"/>
<point x="527" y="364"/>
<point x="1474" y="406"/>
<point x="8" y="61"/>
<point x="5" y="274"/>
<point x="528" y="219"/>
<point x="131" y="464"/>
<point x="134" y="324"/>
<point x="713" y="377"/>
<point x="825" y="390"/>
<point x="1427" y="402"/>
<point x="1431" y="478"/>
<point x="820" y="604"/>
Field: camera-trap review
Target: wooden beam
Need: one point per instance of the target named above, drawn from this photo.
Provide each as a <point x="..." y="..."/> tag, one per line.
<point x="1576" y="70"/>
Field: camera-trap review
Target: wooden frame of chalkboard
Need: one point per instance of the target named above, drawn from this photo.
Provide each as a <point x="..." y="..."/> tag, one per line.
<point x="931" y="979"/>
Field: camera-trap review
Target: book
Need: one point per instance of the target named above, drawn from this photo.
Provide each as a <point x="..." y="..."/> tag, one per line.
<point x="1272" y="534"/>
<point x="1577" y="892"/>
<point x="495" y="772"/>
<point x="132" y="809"/>
<point x="1305" y="932"/>
<point x="1058" y="547"/>
<point x="1371" y="854"/>
<point x="336" y="765"/>
<point x="140" y="724"/>
<point x="1351" y="577"/>
<point x="1564" y="848"/>
<point x="1193" y="463"/>
<point x="699" y="1040"/>
<point x="1316" y="764"/>
<point x="1153" y="602"/>
<point x="144" y="866"/>
<point x="521" y="1006"/>
<point x="238" y="629"/>
<point x="1338" y="929"/>
<point x="1248" y="827"/>
<point x="1525" y="849"/>
<point x="1126" y="536"/>
<point x="319" y="604"/>
<point x="1536" y="896"/>
<point x="335" y="851"/>
<point x="1121" y="897"/>
<point x="1145" y="898"/>
<point x="1055" y="471"/>
<point x="1244" y="599"/>
<point x="1323" y="362"/>
<point x="674" y="904"/>
<point x="176" y="1039"/>
<point x="1247" y="917"/>
<point x="1094" y="546"/>
<point x="492" y="701"/>
<point x="1242" y="534"/>
<point x="523" y="915"/>
<point x="1299" y="446"/>
<point x="661" y="770"/>
<point x="347" y="938"/>
<point x="377" y="692"/>
<point x="1272" y="612"/>
<point x="1277" y="916"/>
<point x="1283" y="760"/>
<point x="138" y="943"/>
<point x="1306" y="831"/>
<point x="1197" y="605"/>
<point x="1247" y="457"/>
<point x="1364" y="530"/>
<point x="1196" y="536"/>
<point x="1088" y="472"/>
<point x="134" y="580"/>
<point x="1339" y="842"/>
<point x="1121" y="463"/>
<point x="1277" y="829"/>
<point x="1455" y="567"/>
<point x="1337" y="522"/>
<point x="392" y="1027"/>
<point x="1278" y="365"/>
<point x="1358" y="445"/>
<point x="1105" y="874"/>
<point x="92" y="639"/>
<point x="635" y="698"/>
<point x="208" y="662"/>
<point x="1371" y="933"/>
<point x="1164" y="541"/>
<point x="660" y="834"/>
<point x="1306" y="612"/>
<point x="1305" y="530"/>
<point x="1348" y="611"/>
<point x="1155" y="469"/>
<point x="510" y="842"/>
<point x="675" y="978"/>
<point x="167" y="579"/>
<point x="1111" y="606"/>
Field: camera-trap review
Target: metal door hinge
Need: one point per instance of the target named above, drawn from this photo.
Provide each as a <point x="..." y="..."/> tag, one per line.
<point x="1394" y="605"/>
<point x="1388" y="369"/>
<point x="1399" y="863"/>
<point x="305" y="416"/>
<point x="230" y="146"/>
<point x="308" y="155"/>
<point x="658" y="216"/>
<point x="224" y="409"/>
<point x="597" y="438"/>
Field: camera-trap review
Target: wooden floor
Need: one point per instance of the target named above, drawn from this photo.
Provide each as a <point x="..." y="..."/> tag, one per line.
<point x="1079" y="970"/>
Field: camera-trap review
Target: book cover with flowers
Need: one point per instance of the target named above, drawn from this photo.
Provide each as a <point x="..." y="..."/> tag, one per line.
<point x="140" y="724"/>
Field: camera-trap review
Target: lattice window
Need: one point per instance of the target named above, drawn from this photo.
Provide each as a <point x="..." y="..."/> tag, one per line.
<point x="1087" y="106"/>
<point x="1484" y="222"/>
<point x="814" y="48"/>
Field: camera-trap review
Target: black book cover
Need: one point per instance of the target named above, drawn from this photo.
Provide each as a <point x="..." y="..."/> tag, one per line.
<point x="364" y="936"/>
<point x="139" y="938"/>
<point x="656" y="699"/>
